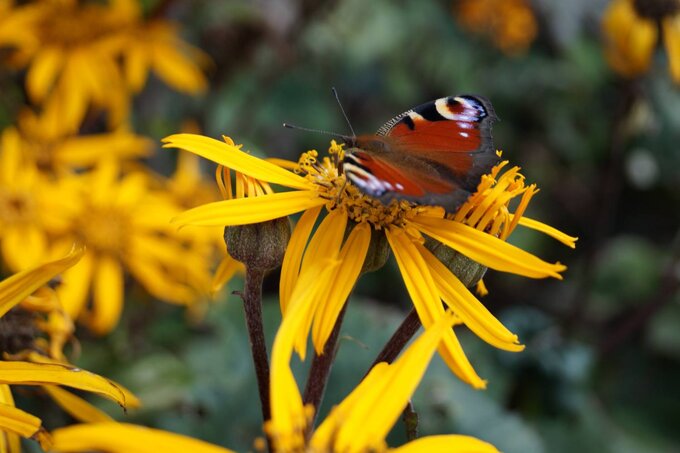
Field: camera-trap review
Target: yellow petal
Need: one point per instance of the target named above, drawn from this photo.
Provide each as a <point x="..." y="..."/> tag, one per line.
<point x="243" y="211"/>
<point x="671" y="36"/>
<point x="26" y="373"/>
<point x="569" y="241"/>
<point x="24" y="424"/>
<point x="136" y="67"/>
<point x="288" y="415"/>
<point x="351" y="259"/>
<point x="19" y="286"/>
<point x="446" y="444"/>
<point x="43" y="71"/>
<point x="23" y="246"/>
<point x="426" y="300"/>
<point x="178" y="71"/>
<point x="74" y="289"/>
<point x="126" y="438"/>
<point x="79" y="409"/>
<point x="225" y="271"/>
<point x="108" y="295"/>
<point x="9" y="442"/>
<point x="465" y="305"/>
<point x="629" y="39"/>
<point x="364" y="426"/>
<point x="486" y="249"/>
<point x="293" y="257"/>
<point x="79" y="151"/>
<point x="232" y="157"/>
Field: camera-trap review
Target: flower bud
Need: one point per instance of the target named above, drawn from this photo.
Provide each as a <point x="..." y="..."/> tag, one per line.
<point x="378" y="252"/>
<point x="469" y="272"/>
<point x="259" y="246"/>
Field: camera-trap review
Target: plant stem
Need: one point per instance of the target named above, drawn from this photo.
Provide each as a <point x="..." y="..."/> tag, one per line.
<point x="252" y="298"/>
<point x="321" y="368"/>
<point x="409" y="326"/>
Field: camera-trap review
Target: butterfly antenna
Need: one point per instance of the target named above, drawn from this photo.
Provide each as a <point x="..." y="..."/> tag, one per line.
<point x="318" y="131"/>
<point x="337" y="98"/>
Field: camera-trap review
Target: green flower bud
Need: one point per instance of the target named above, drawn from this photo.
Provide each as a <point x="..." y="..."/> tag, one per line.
<point x="468" y="272"/>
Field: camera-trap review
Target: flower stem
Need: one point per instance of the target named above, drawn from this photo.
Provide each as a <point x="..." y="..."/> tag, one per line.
<point x="409" y="326"/>
<point x="321" y="368"/>
<point x="252" y="305"/>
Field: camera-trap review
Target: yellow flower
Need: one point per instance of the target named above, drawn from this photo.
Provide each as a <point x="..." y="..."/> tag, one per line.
<point x="318" y="184"/>
<point x="31" y="206"/>
<point x="510" y="24"/>
<point x="41" y="370"/>
<point x="125" y="226"/>
<point x="74" y="49"/>
<point x="55" y="151"/>
<point x="363" y="419"/>
<point x="631" y="34"/>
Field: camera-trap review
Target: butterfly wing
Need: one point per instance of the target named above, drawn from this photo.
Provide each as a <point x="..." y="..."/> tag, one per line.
<point x="435" y="153"/>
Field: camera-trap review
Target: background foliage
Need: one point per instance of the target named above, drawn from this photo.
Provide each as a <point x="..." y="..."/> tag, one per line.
<point x="602" y="362"/>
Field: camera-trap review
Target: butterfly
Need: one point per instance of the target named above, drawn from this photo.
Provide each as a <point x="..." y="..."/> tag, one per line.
<point x="433" y="154"/>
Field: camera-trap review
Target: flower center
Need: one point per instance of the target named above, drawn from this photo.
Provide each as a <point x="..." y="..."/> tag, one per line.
<point x="656" y="9"/>
<point x="340" y="193"/>
<point x="16" y="207"/>
<point x="17" y="331"/>
<point x="72" y="26"/>
<point x="105" y="229"/>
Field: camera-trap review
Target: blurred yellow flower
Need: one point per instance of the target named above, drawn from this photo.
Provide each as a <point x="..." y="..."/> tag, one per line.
<point x="363" y="419"/>
<point x="631" y="33"/>
<point x="37" y="369"/>
<point x="31" y="205"/>
<point x="509" y="24"/>
<point x="125" y="226"/>
<point x="55" y="151"/>
<point x="73" y="51"/>
<point x="318" y="184"/>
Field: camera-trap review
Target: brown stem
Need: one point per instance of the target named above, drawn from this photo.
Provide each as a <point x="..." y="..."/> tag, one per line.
<point x="409" y="326"/>
<point x="321" y="368"/>
<point x="252" y="298"/>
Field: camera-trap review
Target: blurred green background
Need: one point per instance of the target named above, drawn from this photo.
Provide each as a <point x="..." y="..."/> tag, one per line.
<point x="602" y="362"/>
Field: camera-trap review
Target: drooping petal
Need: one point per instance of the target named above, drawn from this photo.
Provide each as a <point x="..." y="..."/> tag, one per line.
<point x="289" y="417"/>
<point x="9" y="442"/>
<point x="426" y="300"/>
<point x="73" y="291"/>
<point x="465" y="305"/>
<point x="108" y="295"/>
<point x="19" y="286"/>
<point x="351" y="259"/>
<point x="671" y="37"/>
<point x="26" y="373"/>
<point x="569" y="241"/>
<point x="244" y="211"/>
<point x="446" y="444"/>
<point x="24" y="424"/>
<point x="79" y="409"/>
<point x="294" y="251"/>
<point x="376" y="404"/>
<point x="232" y="157"/>
<point x="486" y="249"/>
<point x="126" y="438"/>
<point x="175" y="69"/>
<point x="43" y="71"/>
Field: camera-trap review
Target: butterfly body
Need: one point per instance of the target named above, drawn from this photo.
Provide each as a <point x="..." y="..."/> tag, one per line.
<point x="433" y="154"/>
